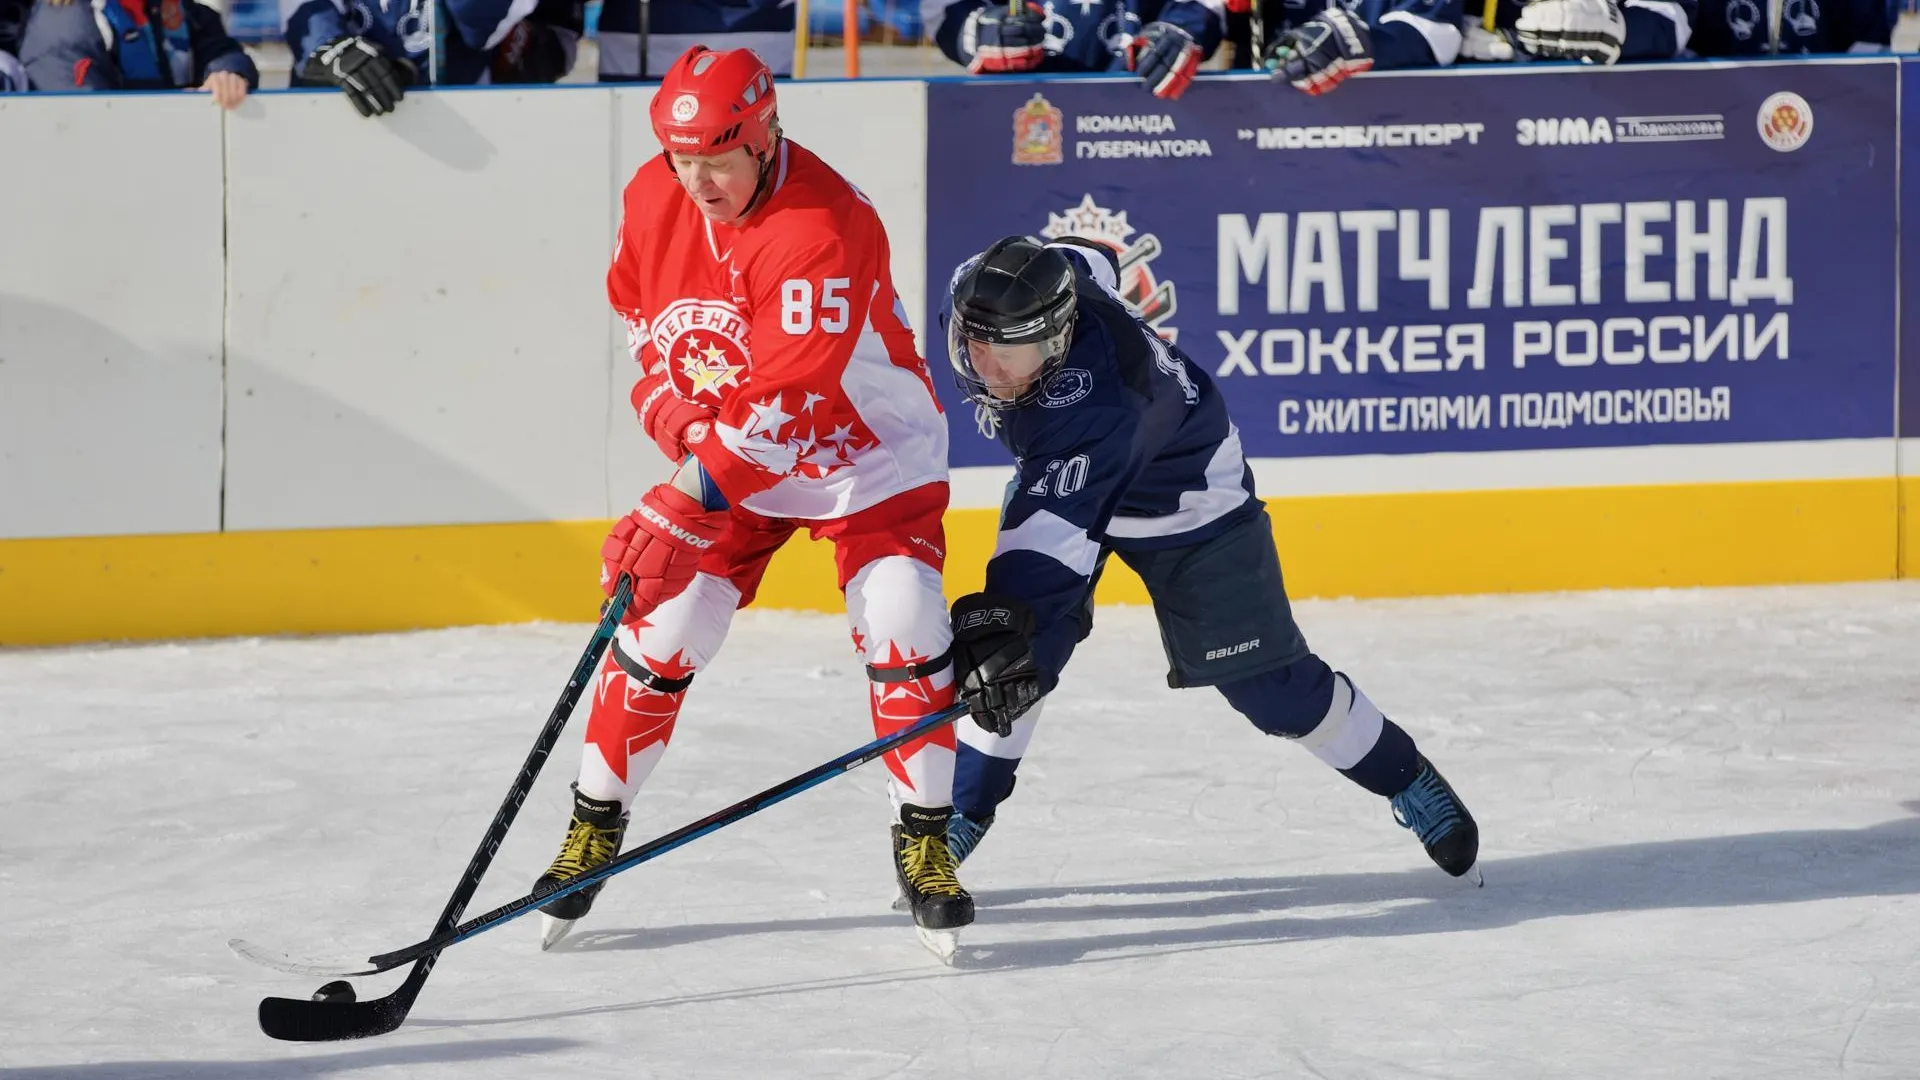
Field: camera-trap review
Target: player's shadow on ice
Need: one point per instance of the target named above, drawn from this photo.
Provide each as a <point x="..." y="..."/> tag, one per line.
<point x="1720" y="871"/>
<point x="295" y="1063"/>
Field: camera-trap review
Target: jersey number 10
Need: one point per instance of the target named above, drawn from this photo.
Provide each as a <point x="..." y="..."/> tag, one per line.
<point x="1066" y="478"/>
<point x="797" y="308"/>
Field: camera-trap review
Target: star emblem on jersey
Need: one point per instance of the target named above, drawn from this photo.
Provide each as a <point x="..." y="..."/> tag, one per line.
<point x="791" y="443"/>
<point x="706" y="368"/>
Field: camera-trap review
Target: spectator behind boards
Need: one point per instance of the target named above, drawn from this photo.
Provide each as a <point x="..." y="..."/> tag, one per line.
<point x="13" y="19"/>
<point x="135" y="45"/>
<point x="1164" y="42"/>
<point x="375" y="54"/>
<point x="1591" y="31"/>
<point x="665" y="29"/>
<point x="1756" y="27"/>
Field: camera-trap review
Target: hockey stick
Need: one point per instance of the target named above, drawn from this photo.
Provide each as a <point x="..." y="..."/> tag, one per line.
<point x="315" y="1021"/>
<point x="646" y="32"/>
<point x="312" y="1021"/>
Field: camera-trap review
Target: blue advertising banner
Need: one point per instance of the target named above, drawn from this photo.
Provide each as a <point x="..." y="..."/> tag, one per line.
<point x="1468" y="261"/>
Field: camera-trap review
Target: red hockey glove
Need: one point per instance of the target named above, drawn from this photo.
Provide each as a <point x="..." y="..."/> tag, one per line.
<point x="672" y="422"/>
<point x="659" y="545"/>
<point x="1165" y="57"/>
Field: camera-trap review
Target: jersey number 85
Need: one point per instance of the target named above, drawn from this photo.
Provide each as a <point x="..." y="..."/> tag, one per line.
<point x="797" y="306"/>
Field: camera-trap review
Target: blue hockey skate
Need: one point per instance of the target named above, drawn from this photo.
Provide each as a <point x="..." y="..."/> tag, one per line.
<point x="964" y="833"/>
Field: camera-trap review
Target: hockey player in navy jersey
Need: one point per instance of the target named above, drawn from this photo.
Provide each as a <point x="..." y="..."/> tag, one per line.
<point x="1591" y="31"/>
<point x="640" y="39"/>
<point x="376" y="52"/>
<point x="1123" y="448"/>
<point x="13" y="20"/>
<point x="1163" y="42"/>
<point x="1760" y="28"/>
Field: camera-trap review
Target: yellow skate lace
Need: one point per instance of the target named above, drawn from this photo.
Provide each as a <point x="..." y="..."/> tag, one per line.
<point x="929" y="865"/>
<point x="586" y="846"/>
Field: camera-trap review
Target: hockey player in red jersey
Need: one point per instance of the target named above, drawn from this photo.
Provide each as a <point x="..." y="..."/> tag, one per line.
<point x="778" y="370"/>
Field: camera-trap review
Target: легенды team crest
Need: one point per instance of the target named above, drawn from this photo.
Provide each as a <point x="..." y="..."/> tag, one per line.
<point x="704" y="343"/>
<point x="1038" y="133"/>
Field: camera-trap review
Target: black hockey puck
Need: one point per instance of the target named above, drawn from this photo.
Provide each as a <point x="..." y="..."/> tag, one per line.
<point x="335" y="993"/>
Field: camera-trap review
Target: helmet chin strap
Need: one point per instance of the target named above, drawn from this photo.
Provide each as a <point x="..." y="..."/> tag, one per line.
<point x="764" y="188"/>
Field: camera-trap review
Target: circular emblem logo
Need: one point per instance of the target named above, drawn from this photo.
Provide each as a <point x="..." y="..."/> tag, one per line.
<point x="1786" y="121"/>
<point x="697" y="432"/>
<point x="704" y="345"/>
<point x="1067" y="386"/>
<point x="685" y="108"/>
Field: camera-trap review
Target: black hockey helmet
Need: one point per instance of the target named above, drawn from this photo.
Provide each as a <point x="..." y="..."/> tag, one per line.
<point x="1012" y="321"/>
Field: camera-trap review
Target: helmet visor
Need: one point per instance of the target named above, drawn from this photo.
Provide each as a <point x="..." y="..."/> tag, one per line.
<point x="999" y="375"/>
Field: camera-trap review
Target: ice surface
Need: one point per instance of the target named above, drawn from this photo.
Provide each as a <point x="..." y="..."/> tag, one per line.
<point x="1701" y="839"/>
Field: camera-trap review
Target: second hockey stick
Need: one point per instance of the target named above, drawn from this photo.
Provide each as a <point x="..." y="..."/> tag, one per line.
<point x="312" y="1021"/>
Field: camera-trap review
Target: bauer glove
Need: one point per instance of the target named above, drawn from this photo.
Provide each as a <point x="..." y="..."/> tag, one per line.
<point x="993" y="661"/>
<point x="659" y="546"/>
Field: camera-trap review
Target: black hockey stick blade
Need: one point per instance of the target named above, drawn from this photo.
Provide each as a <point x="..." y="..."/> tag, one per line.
<point x="300" y="1020"/>
<point x="326" y="1021"/>
<point x="446" y="937"/>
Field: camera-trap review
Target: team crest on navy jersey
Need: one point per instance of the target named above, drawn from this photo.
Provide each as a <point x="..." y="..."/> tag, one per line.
<point x="1038" y="133"/>
<point x="1152" y="299"/>
<point x="1065" y="387"/>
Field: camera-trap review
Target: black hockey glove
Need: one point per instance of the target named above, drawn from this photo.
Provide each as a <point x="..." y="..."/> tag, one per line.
<point x="1322" y="52"/>
<point x="374" y="81"/>
<point x="993" y="659"/>
<point x="1165" y="57"/>
<point x="997" y="41"/>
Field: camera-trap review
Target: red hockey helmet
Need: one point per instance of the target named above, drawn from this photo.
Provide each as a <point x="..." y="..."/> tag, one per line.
<point x="711" y="102"/>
